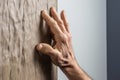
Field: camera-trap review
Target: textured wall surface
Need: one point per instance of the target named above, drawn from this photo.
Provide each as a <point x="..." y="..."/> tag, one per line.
<point x="20" y="30"/>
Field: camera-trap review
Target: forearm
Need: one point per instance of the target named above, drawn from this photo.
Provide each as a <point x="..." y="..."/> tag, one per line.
<point x="74" y="72"/>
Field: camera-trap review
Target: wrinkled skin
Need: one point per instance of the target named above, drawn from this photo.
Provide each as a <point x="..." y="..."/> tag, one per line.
<point x="61" y="53"/>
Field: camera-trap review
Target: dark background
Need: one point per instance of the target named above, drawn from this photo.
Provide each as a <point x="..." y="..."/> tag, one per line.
<point x="113" y="39"/>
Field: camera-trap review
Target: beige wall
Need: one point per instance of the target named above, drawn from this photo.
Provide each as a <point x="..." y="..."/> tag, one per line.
<point x="20" y="31"/>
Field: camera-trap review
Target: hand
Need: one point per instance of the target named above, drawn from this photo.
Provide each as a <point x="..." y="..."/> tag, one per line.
<point x="61" y="52"/>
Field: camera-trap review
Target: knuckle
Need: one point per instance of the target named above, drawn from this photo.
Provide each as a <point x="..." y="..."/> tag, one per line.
<point x="54" y="23"/>
<point x="64" y="38"/>
<point x="60" y="22"/>
<point x="67" y="24"/>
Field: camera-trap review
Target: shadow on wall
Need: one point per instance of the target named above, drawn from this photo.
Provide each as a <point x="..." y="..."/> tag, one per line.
<point x="40" y="59"/>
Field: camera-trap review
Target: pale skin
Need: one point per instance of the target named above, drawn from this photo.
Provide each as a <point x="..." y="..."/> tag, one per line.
<point x="61" y="52"/>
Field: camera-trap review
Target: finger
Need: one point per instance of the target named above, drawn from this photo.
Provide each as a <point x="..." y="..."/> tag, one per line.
<point x="54" y="14"/>
<point x="45" y="49"/>
<point x="57" y="18"/>
<point x="51" y="22"/>
<point x="65" y="21"/>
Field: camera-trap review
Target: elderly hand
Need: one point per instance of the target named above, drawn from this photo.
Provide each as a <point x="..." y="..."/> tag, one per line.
<point x="61" y="53"/>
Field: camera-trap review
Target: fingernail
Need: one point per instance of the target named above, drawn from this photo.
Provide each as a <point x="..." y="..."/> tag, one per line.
<point x="42" y="11"/>
<point x="63" y="12"/>
<point x="39" y="46"/>
<point x="51" y="8"/>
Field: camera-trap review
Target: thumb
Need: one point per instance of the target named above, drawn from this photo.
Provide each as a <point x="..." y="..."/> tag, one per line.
<point x="45" y="49"/>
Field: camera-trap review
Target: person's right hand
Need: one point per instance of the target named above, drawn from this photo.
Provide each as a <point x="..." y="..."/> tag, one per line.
<point x="61" y="53"/>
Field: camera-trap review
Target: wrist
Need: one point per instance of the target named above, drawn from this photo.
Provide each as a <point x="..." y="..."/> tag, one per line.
<point x="74" y="72"/>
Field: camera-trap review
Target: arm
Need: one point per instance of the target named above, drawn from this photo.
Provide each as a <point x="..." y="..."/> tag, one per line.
<point x="61" y="53"/>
